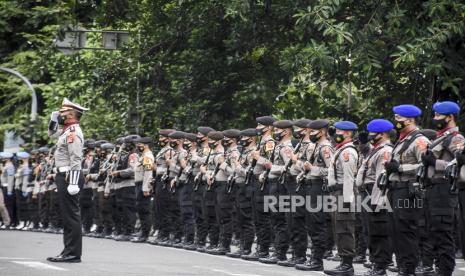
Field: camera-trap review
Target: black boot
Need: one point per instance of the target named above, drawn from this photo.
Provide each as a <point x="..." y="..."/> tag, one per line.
<point x="139" y="239"/>
<point x="273" y="259"/>
<point x="311" y="265"/>
<point x="393" y="268"/>
<point x="122" y="238"/>
<point x="376" y="271"/>
<point x="178" y="243"/>
<point x="360" y="259"/>
<point x="293" y="261"/>
<point x="255" y="256"/>
<point x="220" y="250"/>
<point x="238" y="253"/>
<point x="406" y="271"/>
<point x="193" y="246"/>
<point x="207" y="248"/>
<point x="328" y="254"/>
<point x="344" y="269"/>
<point x="201" y="248"/>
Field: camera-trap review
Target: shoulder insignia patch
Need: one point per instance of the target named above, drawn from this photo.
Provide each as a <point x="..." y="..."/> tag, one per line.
<point x="346" y="156"/>
<point x="327" y="152"/>
<point x="147" y="162"/>
<point x="71" y="137"/>
<point x="421" y="144"/>
<point x="386" y="156"/>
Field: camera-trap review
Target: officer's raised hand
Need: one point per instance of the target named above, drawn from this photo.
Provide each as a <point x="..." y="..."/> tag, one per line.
<point x="392" y="166"/>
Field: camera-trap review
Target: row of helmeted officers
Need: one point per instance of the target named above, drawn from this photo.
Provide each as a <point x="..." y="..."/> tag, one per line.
<point x="205" y="191"/>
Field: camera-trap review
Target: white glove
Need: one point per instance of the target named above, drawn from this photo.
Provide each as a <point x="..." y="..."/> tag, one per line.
<point x="73" y="189"/>
<point x="53" y="123"/>
<point x="54" y="116"/>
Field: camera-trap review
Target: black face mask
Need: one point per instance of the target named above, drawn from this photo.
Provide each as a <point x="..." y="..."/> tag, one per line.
<point x="439" y="124"/>
<point x="338" y="138"/>
<point x="225" y="143"/>
<point x="314" y="138"/>
<point x="173" y="144"/>
<point x="278" y="136"/>
<point x="260" y="131"/>
<point x="373" y="139"/>
<point x="186" y="146"/>
<point x="199" y="140"/>
<point x="212" y="145"/>
<point x="61" y="119"/>
<point x="298" y="134"/>
<point x="245" y="143"/>
<point x="128" y="147"/>
<point x="400" y="125"/>
<point x="141" y="149"/>
<point x="162" y="143"/>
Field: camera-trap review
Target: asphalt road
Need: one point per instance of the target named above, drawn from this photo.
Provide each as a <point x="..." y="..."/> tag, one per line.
<point x="25" y="253"/>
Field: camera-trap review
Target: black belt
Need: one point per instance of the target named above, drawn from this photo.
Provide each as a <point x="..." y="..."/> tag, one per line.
<point x="273" y="180"/>
<point x="399" y="185"/>
<point x="337" y="187"/>
<point x="438" y="181"/>
<point x="220" y="182"/>
<point x="314" y="181"/>
<point x="240" y="184"/>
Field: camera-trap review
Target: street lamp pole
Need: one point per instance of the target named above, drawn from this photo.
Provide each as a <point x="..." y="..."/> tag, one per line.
<point x="33" y="95"/>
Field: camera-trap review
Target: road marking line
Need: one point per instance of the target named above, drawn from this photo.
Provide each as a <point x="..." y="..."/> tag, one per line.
<point x="14" y="258"/>
<point x="462" y="268"/>
<point x="40" y="265"/>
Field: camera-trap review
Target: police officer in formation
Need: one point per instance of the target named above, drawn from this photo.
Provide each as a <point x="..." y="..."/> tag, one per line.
<point x="206" y="184"/>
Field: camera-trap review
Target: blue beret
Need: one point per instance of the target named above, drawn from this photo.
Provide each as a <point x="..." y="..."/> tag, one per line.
<point x="5" y="155"/>
<point x="446" y="108"/>
<point x="407" y="110"/>
<point x="345" y="125"/>
<point x="379" y="125"/>
<point x="22" y="154"/>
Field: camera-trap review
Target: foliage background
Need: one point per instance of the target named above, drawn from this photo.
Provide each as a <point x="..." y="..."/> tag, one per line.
<point x="222" y="63"/>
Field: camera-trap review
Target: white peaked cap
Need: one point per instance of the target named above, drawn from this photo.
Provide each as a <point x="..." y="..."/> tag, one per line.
<point x="67" y="105"/>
